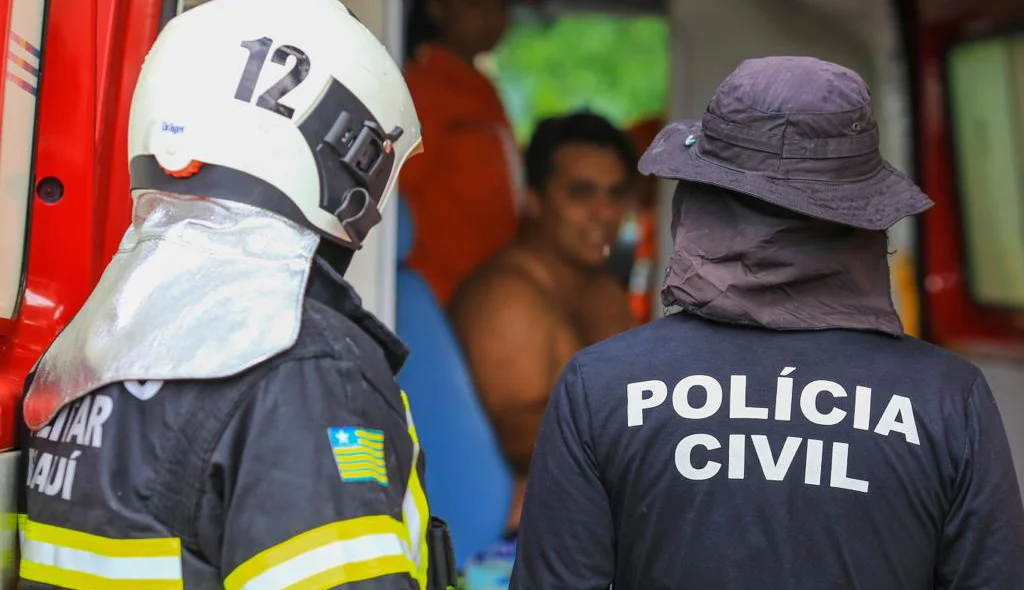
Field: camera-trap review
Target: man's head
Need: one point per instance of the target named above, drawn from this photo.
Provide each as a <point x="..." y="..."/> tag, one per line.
<point x="293" y="107"/>
<point x="580" y="171"/>
<point x="467" y="27"/>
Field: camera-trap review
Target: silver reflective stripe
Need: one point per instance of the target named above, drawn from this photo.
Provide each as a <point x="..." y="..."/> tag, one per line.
<point x="67" y="558"/>
<point x="117" y="568"/>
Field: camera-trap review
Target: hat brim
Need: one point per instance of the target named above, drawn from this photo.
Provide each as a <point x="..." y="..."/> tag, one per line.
<point x="874" y="202"/>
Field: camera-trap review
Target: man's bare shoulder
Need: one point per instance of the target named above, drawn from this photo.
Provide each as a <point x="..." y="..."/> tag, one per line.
<point x="502" y="286"/>
<point x="607" y="294"/>
<point x="607" y="308"/>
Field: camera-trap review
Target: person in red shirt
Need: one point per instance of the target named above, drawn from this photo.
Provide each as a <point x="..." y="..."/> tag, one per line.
<point x="463" y="192"/>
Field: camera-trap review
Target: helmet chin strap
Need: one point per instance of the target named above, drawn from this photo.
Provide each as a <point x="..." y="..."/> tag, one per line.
<point x="336" y="256"/>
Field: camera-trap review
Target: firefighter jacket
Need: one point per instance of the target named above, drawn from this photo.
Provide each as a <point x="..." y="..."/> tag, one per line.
<point x="301" y="471"/>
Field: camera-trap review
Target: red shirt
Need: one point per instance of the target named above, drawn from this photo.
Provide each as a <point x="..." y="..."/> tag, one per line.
<point x="462" y="190"/>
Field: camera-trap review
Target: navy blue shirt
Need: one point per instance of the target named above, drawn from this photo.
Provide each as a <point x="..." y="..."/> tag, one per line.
<point x="688" y="455"/>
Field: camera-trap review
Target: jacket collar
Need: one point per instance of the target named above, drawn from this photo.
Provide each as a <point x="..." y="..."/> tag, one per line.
<point x="328" y="287"/>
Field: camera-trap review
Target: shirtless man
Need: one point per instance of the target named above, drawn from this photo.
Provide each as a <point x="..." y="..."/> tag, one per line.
<point x="524" y="313"/>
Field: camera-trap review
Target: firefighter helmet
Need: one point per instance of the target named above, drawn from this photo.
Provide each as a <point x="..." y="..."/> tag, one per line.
<point x="294" y="107"/>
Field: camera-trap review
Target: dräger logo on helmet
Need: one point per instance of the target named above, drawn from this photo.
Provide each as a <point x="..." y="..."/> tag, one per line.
<point x="172" y="128"/>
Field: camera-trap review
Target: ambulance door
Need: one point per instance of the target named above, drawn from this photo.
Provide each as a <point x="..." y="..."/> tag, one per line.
<point x="22" y="22"/>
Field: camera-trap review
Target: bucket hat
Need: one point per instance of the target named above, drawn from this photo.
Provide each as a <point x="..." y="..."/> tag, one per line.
<point x="795" y="132"/>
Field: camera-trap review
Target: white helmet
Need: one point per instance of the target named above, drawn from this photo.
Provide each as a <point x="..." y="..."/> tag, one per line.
<point x="289" y="105"/>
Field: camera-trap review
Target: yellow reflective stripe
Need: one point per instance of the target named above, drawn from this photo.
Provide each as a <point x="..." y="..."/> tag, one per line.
<point x="8" y="557"/>
<point x="8" y="560"/>
<point x="409" y="418"/>
<point x="419" y="498"/>
<point x="62" y="578"/>
<point x="73" y="559"/>
<point x="10" y="521"/>
<point x="313" y="539"/>
<point x="71" y="539"/>
<point x="354" y="572"/>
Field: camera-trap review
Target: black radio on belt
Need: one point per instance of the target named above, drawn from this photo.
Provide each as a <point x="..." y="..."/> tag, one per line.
<point x="441" y="574"/>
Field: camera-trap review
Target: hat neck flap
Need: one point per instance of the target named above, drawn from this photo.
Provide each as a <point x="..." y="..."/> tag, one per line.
<point x="740" y="261"/>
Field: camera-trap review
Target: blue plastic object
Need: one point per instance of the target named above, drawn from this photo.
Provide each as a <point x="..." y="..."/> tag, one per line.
<point x="468" y="481"/>
<point x="406" y="235"/>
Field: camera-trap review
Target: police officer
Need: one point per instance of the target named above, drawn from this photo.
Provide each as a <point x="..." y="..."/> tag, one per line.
<point x="223" y="413"/>
<point x="780" y="431"/>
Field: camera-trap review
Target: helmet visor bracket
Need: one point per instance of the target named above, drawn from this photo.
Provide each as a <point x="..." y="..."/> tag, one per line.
<point x="355" y="157"/>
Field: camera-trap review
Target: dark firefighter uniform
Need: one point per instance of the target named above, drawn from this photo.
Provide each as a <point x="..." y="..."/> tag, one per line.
<point x="304" y="472"/>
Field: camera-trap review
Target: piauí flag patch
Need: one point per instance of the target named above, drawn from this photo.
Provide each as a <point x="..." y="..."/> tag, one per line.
<point x="359" y="453"/>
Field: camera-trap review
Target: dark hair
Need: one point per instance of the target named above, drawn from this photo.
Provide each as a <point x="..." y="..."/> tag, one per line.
<point x="582" y="127"/>
<point x="419" y="28"/>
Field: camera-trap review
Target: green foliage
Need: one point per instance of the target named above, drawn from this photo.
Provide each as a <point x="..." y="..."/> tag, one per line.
<point x="614" y="65"/>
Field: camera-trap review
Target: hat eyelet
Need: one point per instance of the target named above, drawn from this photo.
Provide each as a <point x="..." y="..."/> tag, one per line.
<point x="692" y="139"/>
<point x="857" y="126"/>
